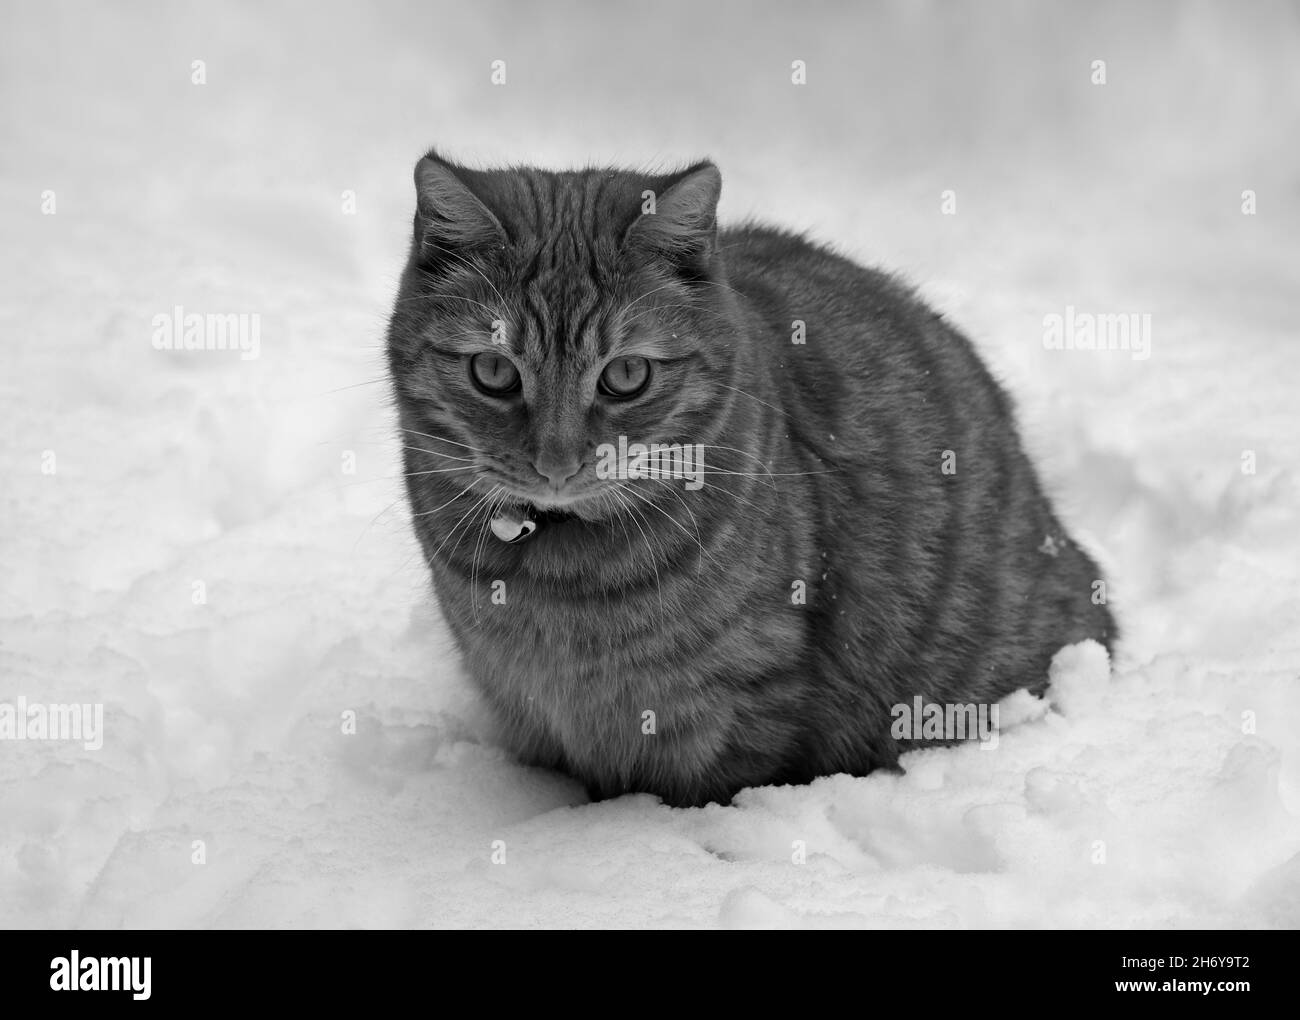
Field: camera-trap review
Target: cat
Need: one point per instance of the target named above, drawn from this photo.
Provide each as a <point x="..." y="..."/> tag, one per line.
<point x="867" y="528"/>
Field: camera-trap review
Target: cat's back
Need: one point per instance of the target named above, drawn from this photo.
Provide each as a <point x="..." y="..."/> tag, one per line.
<point x="839" y="315"/>
<point x="856" y="347"/>
<point x="775" y="267"/>
<point x="895" y="402"/>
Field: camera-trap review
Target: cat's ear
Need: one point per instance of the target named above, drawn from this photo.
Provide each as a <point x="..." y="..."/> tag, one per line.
<point x="681" y="224"/>
<point x="449" y="217"/>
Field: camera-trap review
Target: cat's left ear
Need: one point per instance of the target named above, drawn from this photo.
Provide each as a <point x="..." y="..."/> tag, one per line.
<point x="450" y="217"/>
<point x="680" y="225"/>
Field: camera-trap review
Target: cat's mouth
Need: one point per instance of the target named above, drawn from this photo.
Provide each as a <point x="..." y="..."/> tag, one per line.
<point x="555" y="509"/>
<point x="516" y="522"/>
<point x="553" y="516"/>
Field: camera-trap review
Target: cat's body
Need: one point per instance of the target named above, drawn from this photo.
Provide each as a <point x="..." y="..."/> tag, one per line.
<point x="869" y="530"/>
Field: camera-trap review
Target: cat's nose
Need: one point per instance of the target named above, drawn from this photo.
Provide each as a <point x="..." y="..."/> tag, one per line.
<point x="557" y="469"/>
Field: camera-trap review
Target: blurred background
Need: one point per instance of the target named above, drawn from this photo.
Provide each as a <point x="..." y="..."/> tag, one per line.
<point x="256" y="158"/>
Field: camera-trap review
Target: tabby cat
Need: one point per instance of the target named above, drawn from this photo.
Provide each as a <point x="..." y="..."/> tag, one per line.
<point x="865" y="530"/>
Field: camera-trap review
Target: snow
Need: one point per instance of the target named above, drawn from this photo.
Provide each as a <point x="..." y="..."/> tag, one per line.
<point x="200" y="563"/>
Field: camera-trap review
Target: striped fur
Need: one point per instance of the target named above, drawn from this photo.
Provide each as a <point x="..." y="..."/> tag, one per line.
<point x="825" y="467"/>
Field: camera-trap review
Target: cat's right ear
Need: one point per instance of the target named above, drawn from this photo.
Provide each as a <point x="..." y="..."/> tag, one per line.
<point x="680" y="225"/>
<point x="449" y="217"/>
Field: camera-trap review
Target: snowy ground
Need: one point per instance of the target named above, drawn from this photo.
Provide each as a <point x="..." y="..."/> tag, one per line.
<point x="1140" y="798"/>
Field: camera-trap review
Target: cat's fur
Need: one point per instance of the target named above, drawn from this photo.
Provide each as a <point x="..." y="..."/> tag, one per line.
<point x="827" y="463"/>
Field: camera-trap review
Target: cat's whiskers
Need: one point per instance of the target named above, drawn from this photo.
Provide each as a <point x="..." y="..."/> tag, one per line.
<point x="736" y="496"/>
<point x="485" y="507"/>
<point x="418" y="449"/>
<point x="705" y="468"/>
<point x="636" y="519"/>
<point x="615" y="508"/>
<point x="442" y="439"/>
<point x="698" y="538"/>
<point x="371" y="523"/>
<point x="751" y="396"/>
<point x="721" y="488"/>
<point x="435" y="453"/>
<point x="464" y="491"/>
<point x="676" y="523"/>
<point x="710" y="469"/>
<point x="353" y="386"/>
<point x="404" y="474"/>
<point x="732" y="449"/>
<point x="483" y="529"/>
<point x="464" y="517"/>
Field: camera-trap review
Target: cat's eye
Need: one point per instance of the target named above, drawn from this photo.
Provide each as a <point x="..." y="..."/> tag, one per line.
<point x="625" y="377"/>
<point x="494" y="374"/>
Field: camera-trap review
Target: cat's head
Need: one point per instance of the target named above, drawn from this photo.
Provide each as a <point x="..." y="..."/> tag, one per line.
<point x="543" y="314"/>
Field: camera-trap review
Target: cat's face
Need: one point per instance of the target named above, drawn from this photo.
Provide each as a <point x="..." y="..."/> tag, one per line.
<point x="543" y="315"/>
